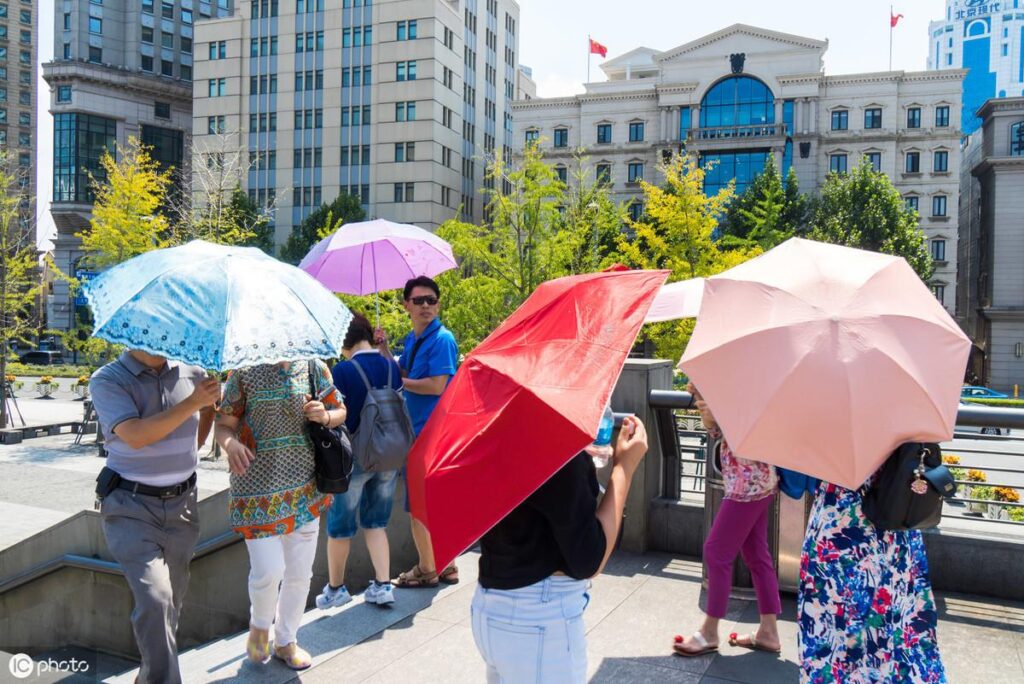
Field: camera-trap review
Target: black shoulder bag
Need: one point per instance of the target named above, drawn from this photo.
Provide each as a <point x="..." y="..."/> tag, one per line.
<point x="909" y="490"/>
<point x="332" y="451"/>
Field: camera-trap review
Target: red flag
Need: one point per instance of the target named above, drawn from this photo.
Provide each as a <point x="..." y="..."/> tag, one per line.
<point x="894" y="19"/>
<point x="598" y="49"/>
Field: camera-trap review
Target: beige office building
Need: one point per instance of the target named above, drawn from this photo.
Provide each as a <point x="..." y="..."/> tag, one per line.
<point x="744" y="94"/>
<point x="18" y="50"/>
<point x="397" y="102"/>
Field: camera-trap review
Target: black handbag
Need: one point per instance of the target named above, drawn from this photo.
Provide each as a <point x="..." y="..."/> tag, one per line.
<point x="908" y="492"/>
<point x="332" y="451"/>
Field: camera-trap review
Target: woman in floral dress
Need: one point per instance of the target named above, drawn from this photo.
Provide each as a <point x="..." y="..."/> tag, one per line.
<point x="866" y="608"/>
<point x="274" y="501"/>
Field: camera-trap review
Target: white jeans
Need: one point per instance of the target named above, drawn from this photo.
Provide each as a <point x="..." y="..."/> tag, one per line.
<point x="285" y="560"/>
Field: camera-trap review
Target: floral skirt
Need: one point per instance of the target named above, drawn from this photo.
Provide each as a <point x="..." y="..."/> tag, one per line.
<point x="866" y="609"/>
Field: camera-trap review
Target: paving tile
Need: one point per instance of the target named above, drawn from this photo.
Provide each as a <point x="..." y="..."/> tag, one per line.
<point x="450" y="657"/>
<point x="742" y="665"/>
<point x="639" y="671"/>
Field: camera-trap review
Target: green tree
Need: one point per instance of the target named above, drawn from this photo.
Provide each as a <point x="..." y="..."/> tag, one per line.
<point x="768" y="213"/>
<point x="591" y="220"/>
<point x="251" y="222"/>
<point x="126" y="219"/>
<point x="677" y="233"/>
<point x="327" y="218"/>
<point x="19" y="281"/>
<point x="863" y="209"/>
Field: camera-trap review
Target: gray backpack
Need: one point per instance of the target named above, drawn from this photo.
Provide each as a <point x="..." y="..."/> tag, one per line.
<point x="385" y="433"/>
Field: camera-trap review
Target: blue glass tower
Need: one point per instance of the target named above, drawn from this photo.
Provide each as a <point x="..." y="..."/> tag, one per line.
<point x="987" y="38"/>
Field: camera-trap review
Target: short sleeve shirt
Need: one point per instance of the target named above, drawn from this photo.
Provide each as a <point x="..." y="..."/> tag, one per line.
<point x="351" y="385"/>
<point x="438" y="355"/>
<point x="126" y="389"/>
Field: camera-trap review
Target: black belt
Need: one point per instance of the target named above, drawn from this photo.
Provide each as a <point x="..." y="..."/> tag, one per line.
<point x="168" y="492"/>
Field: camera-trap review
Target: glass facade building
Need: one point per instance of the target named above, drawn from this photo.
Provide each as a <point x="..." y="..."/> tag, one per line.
<point x="79" y="142"/>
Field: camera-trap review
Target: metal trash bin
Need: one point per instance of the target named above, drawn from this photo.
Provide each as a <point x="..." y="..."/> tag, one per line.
<point x="787" y="522"/>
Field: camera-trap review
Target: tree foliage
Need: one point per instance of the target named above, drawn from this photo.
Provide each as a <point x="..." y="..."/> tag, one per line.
<point x="19" y="281"/>
<point x="768" y="212"/>
<point x="322" y="222"/>
<point x="677" y="232"/>
<point x="126" y="219"/>
<point x="863" y="209"/>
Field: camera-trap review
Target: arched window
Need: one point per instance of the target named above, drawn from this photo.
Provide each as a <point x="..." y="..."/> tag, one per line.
<point x="737" y="101"/>
<point x="1017" y="139"/>
<point x="977" y="28"/>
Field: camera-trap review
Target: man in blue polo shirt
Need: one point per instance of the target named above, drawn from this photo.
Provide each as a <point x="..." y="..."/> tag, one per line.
<point x="428" y="362"/>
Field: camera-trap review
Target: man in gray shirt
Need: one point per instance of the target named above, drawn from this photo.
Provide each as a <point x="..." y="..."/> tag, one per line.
<point x="154" y="414"/>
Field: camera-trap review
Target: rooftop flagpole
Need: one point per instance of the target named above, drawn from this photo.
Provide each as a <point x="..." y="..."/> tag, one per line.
<point x="589" y="55"/>
<point x="891" y="27"/>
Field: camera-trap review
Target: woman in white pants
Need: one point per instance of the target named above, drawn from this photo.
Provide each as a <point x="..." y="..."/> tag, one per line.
<point x="274" y="501"/>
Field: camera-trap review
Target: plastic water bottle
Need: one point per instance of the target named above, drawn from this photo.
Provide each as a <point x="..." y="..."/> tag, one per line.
<point x="601" y="449"/>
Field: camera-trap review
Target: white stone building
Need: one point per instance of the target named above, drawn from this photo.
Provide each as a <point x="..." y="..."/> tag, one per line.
<point x="742" y="94"/>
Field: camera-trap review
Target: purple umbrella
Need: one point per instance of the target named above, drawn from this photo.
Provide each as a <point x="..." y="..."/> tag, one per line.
<point x="372" y="256"/>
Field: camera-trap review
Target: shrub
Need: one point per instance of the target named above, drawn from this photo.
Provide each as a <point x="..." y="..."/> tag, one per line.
<point x="1016" y="514"/>
<point x="983" y="493"/>
<point x="1009" y="403"/>
<point x="54" y="371"/>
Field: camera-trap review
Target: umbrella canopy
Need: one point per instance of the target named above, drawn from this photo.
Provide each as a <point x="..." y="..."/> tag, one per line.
<point x="372" y="256"/>
<point x="677" y="300"/>
<point x="217" y="307"/>
<point x="824" y="359"/>
<point x="524" y="402"/>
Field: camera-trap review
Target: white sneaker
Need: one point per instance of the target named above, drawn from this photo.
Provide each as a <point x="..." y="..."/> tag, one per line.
<point x="332" y="598"/>
<point x="380" y="593"/>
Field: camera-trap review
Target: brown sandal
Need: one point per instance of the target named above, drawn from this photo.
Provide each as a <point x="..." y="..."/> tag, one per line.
<point x="416" y="579"/>
<point x="449" y="575"/>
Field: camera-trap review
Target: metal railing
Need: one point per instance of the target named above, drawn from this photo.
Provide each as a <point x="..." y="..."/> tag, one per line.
<point x="989" y="479"/>
<point x="773" y="130"/>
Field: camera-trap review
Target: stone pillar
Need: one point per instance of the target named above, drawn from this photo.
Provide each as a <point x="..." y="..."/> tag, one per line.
<point x="664" y="123"/>
<point x="638" y="378"/>
<point x="798" y="117"/>
<point x="778" y="110"/>
<point x="812" y="125"/>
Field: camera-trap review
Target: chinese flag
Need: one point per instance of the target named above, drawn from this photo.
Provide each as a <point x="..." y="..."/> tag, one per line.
<point x="598" y="49"/>
<point x="893" y="20"/>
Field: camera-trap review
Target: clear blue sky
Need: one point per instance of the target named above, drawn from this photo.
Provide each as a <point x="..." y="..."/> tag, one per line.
<point x="553" y="37"/>
<point x="553" y="34"/>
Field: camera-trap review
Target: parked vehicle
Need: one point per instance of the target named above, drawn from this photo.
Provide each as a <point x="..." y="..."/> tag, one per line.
<point x="42" y="358"/>
<point x="959" y="429"/>
<point x="975" y="392"/>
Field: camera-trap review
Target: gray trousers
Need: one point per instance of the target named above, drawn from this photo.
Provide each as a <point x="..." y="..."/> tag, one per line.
<point x="153" y="540"/>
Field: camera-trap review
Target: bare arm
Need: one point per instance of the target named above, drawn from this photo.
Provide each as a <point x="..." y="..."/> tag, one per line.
<point x="138" y="433"/>
<point x="206" y="417"/>
<point x="434" y="385"/>
<point x="240" y="457"/>
<point x="629" y="450"/>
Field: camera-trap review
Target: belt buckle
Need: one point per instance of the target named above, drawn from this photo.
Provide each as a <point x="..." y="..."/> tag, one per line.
<point x="170" y="493"/>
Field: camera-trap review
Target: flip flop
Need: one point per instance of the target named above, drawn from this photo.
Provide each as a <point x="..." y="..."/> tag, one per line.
<point x="705" y="648"/>
<point x="752" y="645"/>
<point x="416" y="579"/>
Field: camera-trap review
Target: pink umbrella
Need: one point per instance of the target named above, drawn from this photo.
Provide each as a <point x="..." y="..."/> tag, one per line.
<point x="824" y="359"/>
<point x="680" y="299"/>
<point x="372" y="256"/>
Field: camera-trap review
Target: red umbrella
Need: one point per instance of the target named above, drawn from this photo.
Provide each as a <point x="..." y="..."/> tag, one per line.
<point x="524" y="402"/>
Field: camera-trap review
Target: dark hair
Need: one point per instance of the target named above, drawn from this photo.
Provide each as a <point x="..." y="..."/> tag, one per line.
<point x="359" y="330"/>
<point x="420" y="281"/>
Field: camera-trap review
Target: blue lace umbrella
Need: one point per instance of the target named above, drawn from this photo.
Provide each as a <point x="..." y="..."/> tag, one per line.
<point x="217" y="307"/>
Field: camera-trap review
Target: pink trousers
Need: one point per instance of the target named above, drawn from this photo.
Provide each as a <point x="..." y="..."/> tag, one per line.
<point x="741" y="527"/>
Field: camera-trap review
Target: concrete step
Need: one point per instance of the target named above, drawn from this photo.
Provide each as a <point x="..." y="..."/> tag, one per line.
<point x="325" y="634"/>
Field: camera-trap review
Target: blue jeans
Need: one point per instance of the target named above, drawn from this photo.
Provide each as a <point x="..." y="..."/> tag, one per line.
<point x="533" y="635"/>
<point x="371" y="494"/>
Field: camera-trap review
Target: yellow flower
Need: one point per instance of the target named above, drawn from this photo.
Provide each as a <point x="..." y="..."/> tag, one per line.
<point x="976" y="476"/>
<point x="1007" y="494"/>
<point x="951" y="459"/>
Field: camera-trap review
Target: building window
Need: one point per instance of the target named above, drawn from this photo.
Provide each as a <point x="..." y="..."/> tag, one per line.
<point x="635" y="172"/>
<point x="79" y="142"/>
<point x="96" y="26"/>
<point x="167" y="146"/>
<point x="147" y="6"/>
<point x="95" y="55"/>
<point x="912" y="202"/>
<point x="938" y="248"/>
<point x="406" y="30"/>
<point x="215" y="125"/>
<point x="873" y="118"/>
<point x="840" y="120"/>
<point x="939" y="206"/>
<point x="636" y="211"/>
<point x="636" y="131"/>
<point x="186" y="45"/>
<point x="162" y="110"/>
<point x="217" y="87"/>
<point x="940" y="163"/>
<point x="404" y="192"/>
<point x="218" y="49"/>
<point x="562" y="173"/>
<point x="167" y="10"/>
<point x="561" y="137"/>
<point x="147" y="63"/>
<point x="875" y="159"/>
<point x="942" y="116"/>
<point x="737" y="100"/>
<point x="405" y="71"/>
<point x="913" y="164"/>
<point x="837" y="163"/>
<point x="167" y="40"/>
<point x="66" y="53"/>
<point x="186" y="72"/>
<point x="64" y="93"/>
<point x="604" y="174"/>
<point x="532" y="136"/>
<point x="940" y="292"/>
<point x="604" y="133"/>
<point x="1017" y="139"/>
<point x="914" y="117"/>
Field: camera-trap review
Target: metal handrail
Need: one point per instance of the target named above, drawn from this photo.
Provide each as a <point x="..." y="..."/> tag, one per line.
<point x="72" y="560"/>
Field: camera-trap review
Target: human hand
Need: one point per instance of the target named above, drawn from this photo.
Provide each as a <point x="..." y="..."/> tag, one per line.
<point x="206" y="393"/>
<point x="631" y="446"/>
<point x="706" y="416"/>
<point x="316" y="412"/>
<point x="240" y="457"/>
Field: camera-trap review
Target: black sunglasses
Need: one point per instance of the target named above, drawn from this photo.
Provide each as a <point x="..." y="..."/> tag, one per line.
<point x="429" y="300"/>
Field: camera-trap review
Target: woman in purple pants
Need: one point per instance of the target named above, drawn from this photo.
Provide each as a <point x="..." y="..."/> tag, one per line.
<point x="741" y="526"/>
